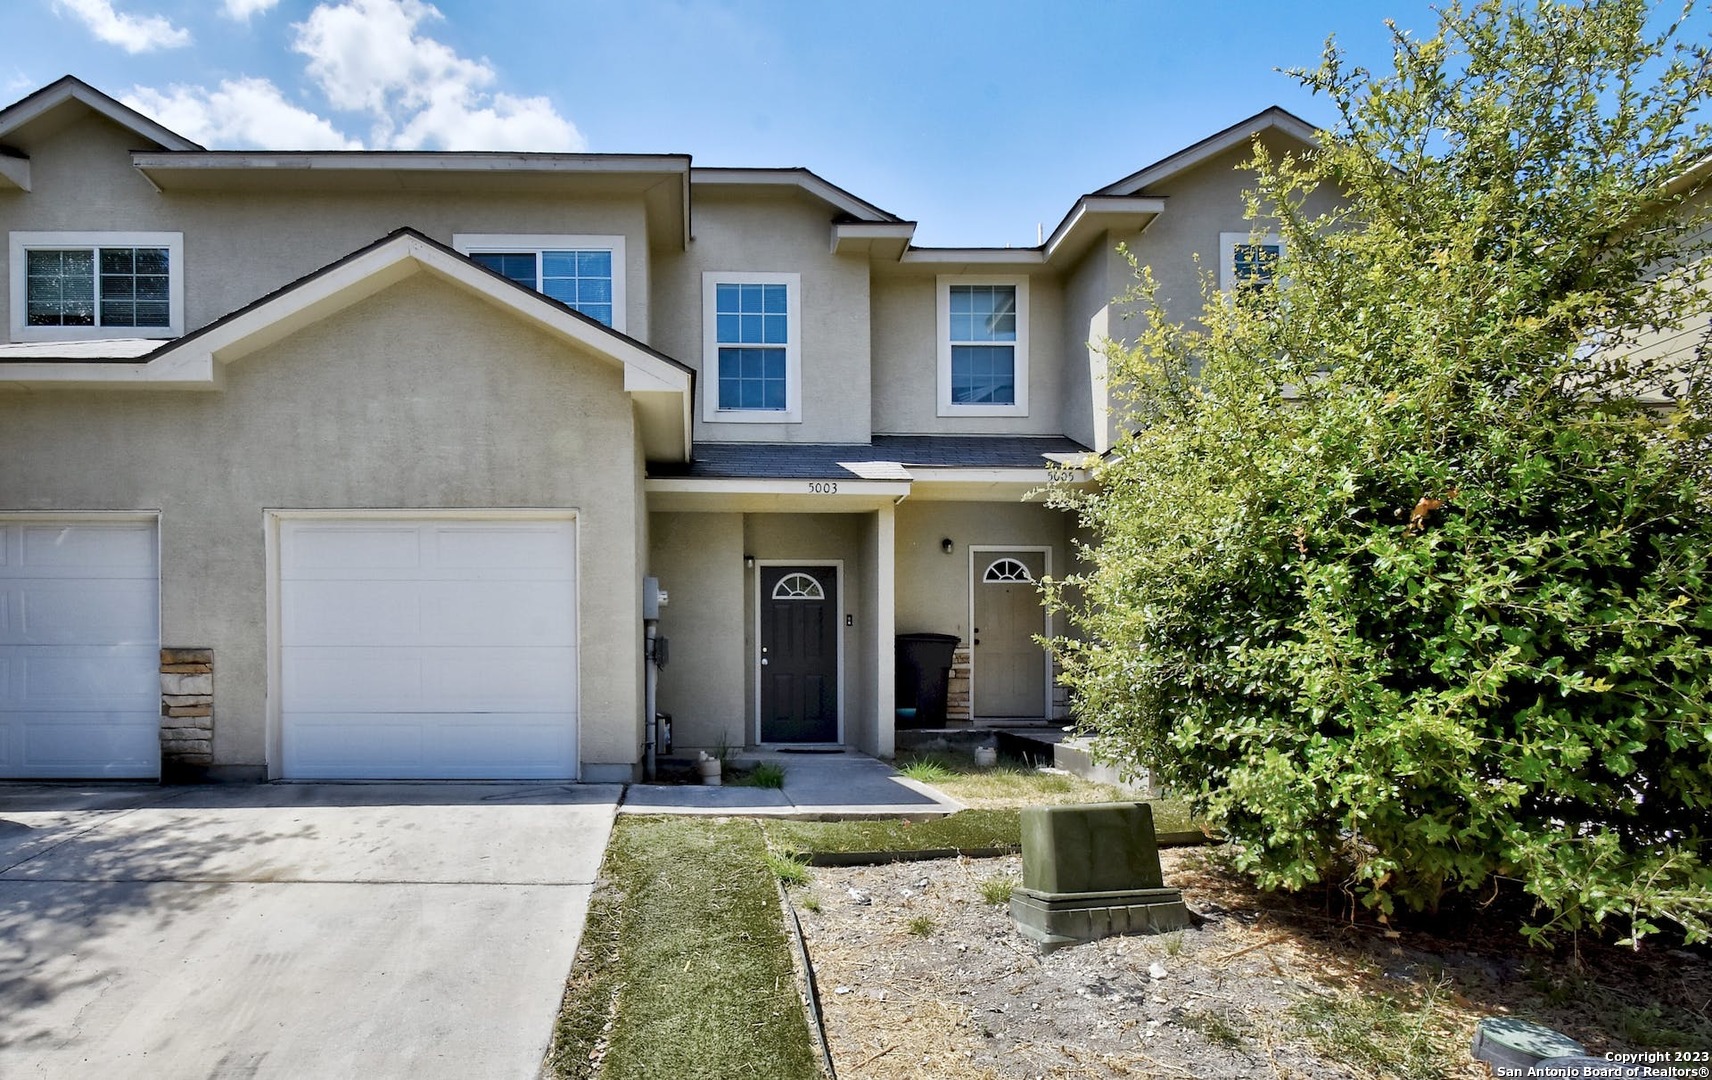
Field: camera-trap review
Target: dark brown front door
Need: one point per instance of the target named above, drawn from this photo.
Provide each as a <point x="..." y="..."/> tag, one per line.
<point x="799" y="654"/>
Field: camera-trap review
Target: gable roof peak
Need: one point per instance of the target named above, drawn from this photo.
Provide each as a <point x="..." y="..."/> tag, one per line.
<point x="1272" y="118"/>
<point x="70" y="88"/>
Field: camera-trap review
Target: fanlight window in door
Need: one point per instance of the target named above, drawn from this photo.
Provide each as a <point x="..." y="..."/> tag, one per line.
<point x="798" y="587"/>
<point x="1006" y="570"/>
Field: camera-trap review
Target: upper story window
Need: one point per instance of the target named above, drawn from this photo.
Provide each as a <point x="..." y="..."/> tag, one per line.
<point x="751" y="348"/>
<point x="71" y="286"/>
<point x="1248" y="261"/>
<point x="585" y="273"/>
<point x="983" y="346"/>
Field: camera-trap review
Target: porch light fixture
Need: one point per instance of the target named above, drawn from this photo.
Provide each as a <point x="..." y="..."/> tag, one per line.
<point x="945" y="545"/>
<point x="748" y="562"/>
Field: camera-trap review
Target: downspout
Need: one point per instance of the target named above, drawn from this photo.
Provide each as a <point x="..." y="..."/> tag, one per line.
<point x="653" y="599"/>
<point x="650" y="687"/>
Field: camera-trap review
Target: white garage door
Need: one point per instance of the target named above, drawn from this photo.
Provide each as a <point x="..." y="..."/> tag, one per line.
<point x="428" y="649"/>
<point x="79" y="649"/>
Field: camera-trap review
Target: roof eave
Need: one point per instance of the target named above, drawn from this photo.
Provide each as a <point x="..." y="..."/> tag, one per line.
<point x="1240" y="133"/>
<point x="803" y="179"/>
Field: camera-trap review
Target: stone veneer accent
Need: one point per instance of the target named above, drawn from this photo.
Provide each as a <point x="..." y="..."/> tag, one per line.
<point x="957" y="688"/>
<point x="187" y="710"/>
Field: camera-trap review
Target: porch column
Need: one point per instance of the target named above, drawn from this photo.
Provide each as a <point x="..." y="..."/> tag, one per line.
<point x="885" y="630"/>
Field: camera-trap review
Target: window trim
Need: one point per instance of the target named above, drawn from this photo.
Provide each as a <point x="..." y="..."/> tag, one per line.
<point x="1228" y="243"/>
<point x="467" y="244"/>
<point x="1020" y="354"/>
<point x="711" y="413"/>
<point x="23" y="242"/>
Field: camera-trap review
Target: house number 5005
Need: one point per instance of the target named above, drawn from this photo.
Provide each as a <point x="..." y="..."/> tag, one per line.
<point x="818" y="487"/>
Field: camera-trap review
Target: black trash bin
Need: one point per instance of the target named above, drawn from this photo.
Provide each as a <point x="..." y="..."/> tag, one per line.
<point x="923" y="665"/>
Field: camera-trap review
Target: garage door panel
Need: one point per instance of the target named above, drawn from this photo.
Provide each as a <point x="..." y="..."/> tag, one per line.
<point x="63" y="611"/>
<point x="485" y="548"/>
<point x="525" y="744"/>
<point x="496" y="613"/>
<point x="351" y="613"/>
<point x="63" y="678"/>
<point x="87" y="550"/>
<point x="448" y="656"/>
<point x="354" y="745"/>
<point x="68" y="743"/>
<point x="364" y="679"/>
<point x="343" y="547"/>
<point x="504" y="680"/>
<point x="407" y="746"/>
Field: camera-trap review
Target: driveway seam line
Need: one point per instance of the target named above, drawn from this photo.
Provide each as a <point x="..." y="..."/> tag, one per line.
<point x="108" y="816"/>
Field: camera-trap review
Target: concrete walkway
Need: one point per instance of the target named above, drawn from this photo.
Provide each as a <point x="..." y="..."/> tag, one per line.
<point x="817" y="786"/>
<point x="301" y="931"/>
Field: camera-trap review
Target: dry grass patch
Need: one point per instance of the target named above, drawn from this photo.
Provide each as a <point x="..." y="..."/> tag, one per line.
<point x="1268" y="986"/>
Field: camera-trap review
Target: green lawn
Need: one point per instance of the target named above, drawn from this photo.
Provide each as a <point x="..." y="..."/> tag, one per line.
<point x="685" y="953"/>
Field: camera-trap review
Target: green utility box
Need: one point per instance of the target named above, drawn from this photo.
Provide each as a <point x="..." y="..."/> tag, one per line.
<point x="1092" y="871"/>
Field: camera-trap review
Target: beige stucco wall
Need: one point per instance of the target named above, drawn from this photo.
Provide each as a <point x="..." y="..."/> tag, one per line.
<point x="240" y="246"/>
<point x="417" y="397"/>
<point x="906" y="355"/>
<point x="781" y="232"/>
<point x="933" y="587"/>
<point x="1088" y="293"/>
<point x="699" y="561"/>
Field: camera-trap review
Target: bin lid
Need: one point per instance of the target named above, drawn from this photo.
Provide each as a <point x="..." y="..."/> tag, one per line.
<point x="937" y="639"/>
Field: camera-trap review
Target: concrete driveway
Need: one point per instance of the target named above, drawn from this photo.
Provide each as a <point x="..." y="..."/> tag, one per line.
<point x="305" y="931"/>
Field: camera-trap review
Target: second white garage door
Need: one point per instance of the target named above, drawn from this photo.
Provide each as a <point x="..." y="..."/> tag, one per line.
<point x="436" y="648"/>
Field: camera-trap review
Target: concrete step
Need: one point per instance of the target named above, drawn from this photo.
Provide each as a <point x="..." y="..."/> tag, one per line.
<point x="1058" y="749"/>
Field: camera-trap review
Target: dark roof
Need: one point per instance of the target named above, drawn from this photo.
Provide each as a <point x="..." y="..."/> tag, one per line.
<point x="821" y="461"/>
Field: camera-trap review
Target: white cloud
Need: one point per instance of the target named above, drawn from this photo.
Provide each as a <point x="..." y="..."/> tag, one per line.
<point x="240" y="112"/>
<point x="133" y="33"/>
<point x="368" y="56"/>
<point x="509" y="123"/>
<point x="242" y="10"/>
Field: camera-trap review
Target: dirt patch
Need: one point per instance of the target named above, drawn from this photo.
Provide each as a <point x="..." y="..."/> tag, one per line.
<point x="922" y="977"/>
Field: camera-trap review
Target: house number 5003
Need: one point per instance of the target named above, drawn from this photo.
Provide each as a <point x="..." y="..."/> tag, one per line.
<point x="827" y="487"/>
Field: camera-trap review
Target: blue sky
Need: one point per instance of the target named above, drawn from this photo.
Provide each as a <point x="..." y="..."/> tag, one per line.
<point x="980" y="120"/>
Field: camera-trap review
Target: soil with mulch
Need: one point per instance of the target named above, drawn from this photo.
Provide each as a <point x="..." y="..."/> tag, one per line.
<point x="921" y="977"/>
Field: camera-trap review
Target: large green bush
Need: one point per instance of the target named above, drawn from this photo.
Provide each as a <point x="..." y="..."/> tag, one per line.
<point x="1405" y="569"/>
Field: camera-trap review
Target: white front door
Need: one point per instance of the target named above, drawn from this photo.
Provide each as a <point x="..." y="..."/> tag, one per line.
<point x="79" y="649"/>
<point x="428" y="648"/>
<point x="1009" y="665"/>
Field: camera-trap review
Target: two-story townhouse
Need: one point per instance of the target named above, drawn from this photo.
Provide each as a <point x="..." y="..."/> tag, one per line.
<point x="354" y="464"/>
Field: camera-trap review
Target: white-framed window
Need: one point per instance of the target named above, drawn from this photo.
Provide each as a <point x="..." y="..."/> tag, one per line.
<point x="983" y="346"/>
<point x="585" y="273"/>
<point x="751" y="347"/>
<point x="1248" y="261"/>
<point x="78" y="286"/>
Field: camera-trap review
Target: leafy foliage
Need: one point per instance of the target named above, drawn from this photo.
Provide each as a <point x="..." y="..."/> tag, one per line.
<point x="1405" y="567"/>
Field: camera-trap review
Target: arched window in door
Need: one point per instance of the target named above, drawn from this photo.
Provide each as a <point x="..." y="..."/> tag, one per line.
<point x="1006" y="570"/>
<point x="798" y="586"/>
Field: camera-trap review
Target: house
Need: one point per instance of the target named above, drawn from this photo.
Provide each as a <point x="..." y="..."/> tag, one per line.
<point x="354" y="464"/>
